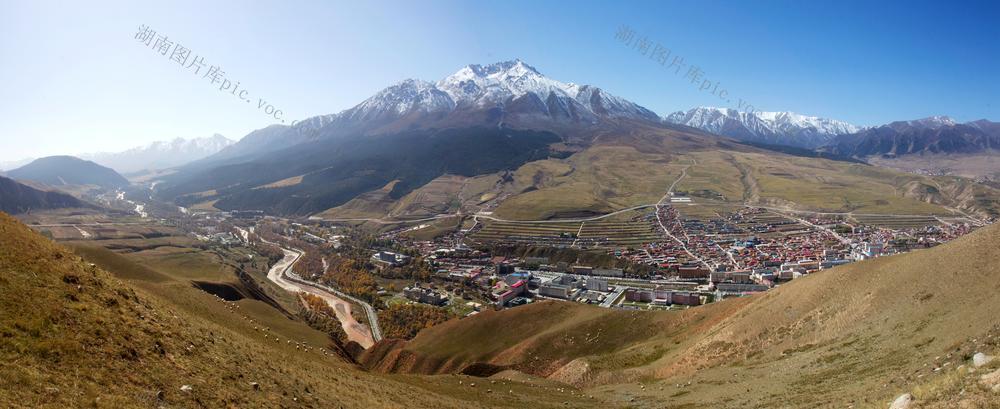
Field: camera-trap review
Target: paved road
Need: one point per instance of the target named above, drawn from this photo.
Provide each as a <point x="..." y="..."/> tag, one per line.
<point x="659" y="220"/>
<point x="842" y="239"/>
<point x="281" y="275"/>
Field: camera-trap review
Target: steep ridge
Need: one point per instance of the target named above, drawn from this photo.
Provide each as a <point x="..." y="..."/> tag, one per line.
<point x="73" y="336"/>
<point x="859" y="333"/>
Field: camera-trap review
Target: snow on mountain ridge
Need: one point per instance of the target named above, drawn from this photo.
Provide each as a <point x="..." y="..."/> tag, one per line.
<point x="160" y="154"/>
<point x="784" y="128"/>
<point x="496" y="82"/>
<point x="792" y="119"/>
<point x="403" y="97"/>
<point x="495" y="85"/>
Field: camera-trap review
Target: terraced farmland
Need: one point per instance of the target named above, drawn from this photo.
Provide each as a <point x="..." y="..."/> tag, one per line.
<point x="896" y="222"/>
<point x="610" y="234"/>
<point x="618" y="234"/>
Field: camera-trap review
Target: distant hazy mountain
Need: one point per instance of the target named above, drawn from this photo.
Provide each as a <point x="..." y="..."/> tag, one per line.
<point x="775" y="128"/>
<point x="510" y="93"/>
<point x="68" y="170"/>
<point x="161" y="154"/>
<point x="934" y="135"/>
<point x="17" y="198"/>
<point x="14" y="164"/>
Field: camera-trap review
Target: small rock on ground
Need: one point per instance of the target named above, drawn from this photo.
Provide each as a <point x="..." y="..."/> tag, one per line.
<point x="980" y="359"/>
<point x="902" y="402"/>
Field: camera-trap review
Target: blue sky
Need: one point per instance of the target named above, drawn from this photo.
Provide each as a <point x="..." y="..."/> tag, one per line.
<point x="74" y="79"/>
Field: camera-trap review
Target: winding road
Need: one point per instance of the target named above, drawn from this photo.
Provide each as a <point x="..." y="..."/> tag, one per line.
<point x="282" y="275"/>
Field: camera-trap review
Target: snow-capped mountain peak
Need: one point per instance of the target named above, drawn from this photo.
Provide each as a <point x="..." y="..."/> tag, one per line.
<point x="161" y="154"/>
<point x="487" y="85"/>
<point x="509" y="93"/>
<point x="782" y="128"/>
<point x="787" y="121"/>
<point x="514" y="87"/>
<point x="932" y="122"/>
<point x="212" y="144"/>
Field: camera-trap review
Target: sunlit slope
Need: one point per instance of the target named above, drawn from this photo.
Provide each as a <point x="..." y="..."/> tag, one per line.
<point x="603" y="179"/>
<point x="71" y="335"/>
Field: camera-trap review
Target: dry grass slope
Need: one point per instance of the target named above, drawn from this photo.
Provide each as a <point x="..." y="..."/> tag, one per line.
<point x="71" y="335"/>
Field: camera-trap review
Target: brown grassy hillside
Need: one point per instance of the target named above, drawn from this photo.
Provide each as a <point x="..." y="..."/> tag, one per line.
<point x="854" y="335"/>
<point x="71" y="335"/>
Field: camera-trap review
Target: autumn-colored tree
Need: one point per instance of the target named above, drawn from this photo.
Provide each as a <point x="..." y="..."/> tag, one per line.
<point x="309" y="265"/>
<point x="318" y="314"/>
<point x="404" y="321"/>
<point x="346" y="275"/>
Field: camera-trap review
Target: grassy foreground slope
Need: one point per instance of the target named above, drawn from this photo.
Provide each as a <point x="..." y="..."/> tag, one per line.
<point x="71" y="335"/>
<point x="857" y="335"/>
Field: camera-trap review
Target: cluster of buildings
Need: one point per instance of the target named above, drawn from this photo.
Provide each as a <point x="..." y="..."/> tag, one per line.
<point x="416" y="293"/>
<point x="698" y="260"/>
<point x="663" y="296"/>
<point x="387" y="259"/>
<point x="570" y="287"/>
<point x="753" y="249"/>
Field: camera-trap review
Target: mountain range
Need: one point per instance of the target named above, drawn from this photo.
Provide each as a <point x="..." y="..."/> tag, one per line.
<point x="509" y="94"/>
<point x="934" y="135"/>
<point x="774" y="128"/>
<point x="482" y="119"/>
<point x="160" y="154"/>
<point x="507" y="119"/>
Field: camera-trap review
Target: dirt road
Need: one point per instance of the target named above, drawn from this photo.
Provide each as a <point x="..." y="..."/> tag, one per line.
<point x="355" y="330"/>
